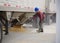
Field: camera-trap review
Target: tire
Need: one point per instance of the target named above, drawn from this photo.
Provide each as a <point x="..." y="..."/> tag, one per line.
<point x="1" y="33"/>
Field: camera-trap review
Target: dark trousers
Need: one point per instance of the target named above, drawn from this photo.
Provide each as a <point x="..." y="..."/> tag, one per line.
<point x="5" y="23"/>
<point x="41" y="26"/>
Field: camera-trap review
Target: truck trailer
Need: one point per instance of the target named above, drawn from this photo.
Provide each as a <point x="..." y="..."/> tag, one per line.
<point x="21" y="10"/>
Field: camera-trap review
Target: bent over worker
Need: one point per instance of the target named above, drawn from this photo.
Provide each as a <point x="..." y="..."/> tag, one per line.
<point x="41" y="18"/>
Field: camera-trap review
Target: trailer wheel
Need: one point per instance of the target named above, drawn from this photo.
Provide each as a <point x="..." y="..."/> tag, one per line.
<point x="1" y="33"/>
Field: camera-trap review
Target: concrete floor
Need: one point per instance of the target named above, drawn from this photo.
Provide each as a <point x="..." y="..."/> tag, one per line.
<point x="31" y="36"/>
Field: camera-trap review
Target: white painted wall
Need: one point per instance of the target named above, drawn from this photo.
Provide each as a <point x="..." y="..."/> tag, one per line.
<point x="58" y="21"/>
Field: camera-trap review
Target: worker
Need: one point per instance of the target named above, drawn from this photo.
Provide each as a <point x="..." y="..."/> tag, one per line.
<point x="40" y="19"/>
<point x="4" y="22"/>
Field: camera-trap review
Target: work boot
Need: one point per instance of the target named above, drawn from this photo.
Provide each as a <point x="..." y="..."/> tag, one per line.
<point x="6" y="33"/>
<point x="41" y="30"/>
<point x="38" y="31"/>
